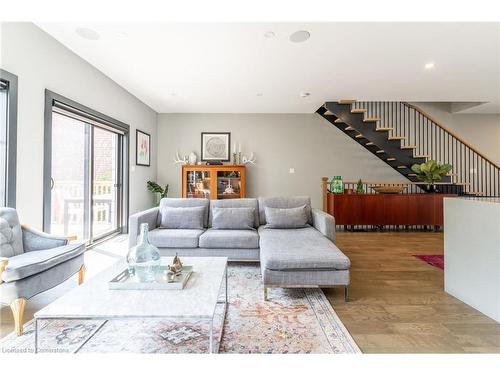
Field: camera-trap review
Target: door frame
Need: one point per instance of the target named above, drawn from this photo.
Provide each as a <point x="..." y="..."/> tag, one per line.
<point x="122" y="167"/>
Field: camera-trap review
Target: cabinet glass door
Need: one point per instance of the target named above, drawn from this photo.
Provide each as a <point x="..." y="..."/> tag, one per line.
<point x="228" y="184"/>
<point x="198" y="184"/>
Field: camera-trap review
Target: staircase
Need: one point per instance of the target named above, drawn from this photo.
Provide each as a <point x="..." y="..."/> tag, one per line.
<point x="401" y="135"/>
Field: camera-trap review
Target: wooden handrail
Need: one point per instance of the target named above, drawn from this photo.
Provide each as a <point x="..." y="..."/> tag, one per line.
<point x="324" y="192"/>
<point x="451" y="133"/>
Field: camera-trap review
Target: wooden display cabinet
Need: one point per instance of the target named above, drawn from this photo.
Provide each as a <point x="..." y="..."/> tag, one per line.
<point x="213" y="181"/>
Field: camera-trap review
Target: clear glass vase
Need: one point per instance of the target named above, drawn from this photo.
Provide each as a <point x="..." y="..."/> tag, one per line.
<point x="144" y="259"/>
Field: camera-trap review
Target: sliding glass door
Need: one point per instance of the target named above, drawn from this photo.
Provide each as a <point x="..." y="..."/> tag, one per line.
<point x="87" y="159"/>
<point x="84" y="185"/>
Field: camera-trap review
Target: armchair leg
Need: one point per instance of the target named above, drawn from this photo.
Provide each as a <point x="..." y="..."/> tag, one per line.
<point x="265" y="293"/>
<point x="346" y="293"/>
<point x="81" y="275"/>
<point x="17" y="307"/>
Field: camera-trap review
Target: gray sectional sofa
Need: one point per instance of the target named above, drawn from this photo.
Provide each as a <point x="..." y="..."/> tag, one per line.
<point x="294" y="243"/>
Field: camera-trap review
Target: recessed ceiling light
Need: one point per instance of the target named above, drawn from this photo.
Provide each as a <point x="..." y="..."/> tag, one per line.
<point x="429" y="65"/>
<point x="300" y="36"/>
<point x="305" y="94"/>
<point x="87" y="33"/>
<point x="269" y="34"/>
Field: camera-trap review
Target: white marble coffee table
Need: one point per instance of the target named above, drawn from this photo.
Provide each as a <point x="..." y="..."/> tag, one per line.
<point x="94" y="300"/>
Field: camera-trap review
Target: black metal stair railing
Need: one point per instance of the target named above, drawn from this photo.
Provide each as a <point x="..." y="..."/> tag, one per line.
<point x="414" y="127"/>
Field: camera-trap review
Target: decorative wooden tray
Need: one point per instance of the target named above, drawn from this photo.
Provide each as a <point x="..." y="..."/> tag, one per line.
<point x="123" y="281"/>
<point x="388" y="189"/>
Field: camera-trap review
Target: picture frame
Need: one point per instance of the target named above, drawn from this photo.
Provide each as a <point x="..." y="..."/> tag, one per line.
<point x="142" y="148"/>
<point x="215" y="146"/>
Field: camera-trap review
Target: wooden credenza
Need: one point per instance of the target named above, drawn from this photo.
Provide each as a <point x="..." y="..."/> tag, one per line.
<point x="387" y="209"/>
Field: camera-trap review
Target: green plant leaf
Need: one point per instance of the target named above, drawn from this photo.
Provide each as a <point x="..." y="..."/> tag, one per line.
<point x="415" y="168"/>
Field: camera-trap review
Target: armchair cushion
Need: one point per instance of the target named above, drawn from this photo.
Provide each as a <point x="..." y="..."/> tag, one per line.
<point x="11" y="238"/>
<point x="33" y="262"/>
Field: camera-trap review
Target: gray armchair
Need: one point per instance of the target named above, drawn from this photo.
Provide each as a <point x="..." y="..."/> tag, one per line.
<point x="32" y="262"/>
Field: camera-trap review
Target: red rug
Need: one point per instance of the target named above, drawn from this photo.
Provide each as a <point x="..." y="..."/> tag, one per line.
<point x="433" y="260"/>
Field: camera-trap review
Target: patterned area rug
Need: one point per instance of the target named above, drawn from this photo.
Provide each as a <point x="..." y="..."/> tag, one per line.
<point x="292" y="321"/>
<point x="433" y="260"/>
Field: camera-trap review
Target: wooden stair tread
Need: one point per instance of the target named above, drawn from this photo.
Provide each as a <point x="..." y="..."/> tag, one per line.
<point x="396" y="138"/>
<point x="384" y="129"/>
<point x="390" y="159"/>
<point x="421" y="156"/>
<point x="349" y="128"/>
<point x="358" y="110"/>
<point x="474" y="192"/>
<point x="402" y="166"/>
<point x="379" y="151"/>
<point x="408" y="147"/>
<point x="360" y="136"/>
<point x="370" y="144"/>
<point x="346" y="101"/>
<point x="372" y="119"/>
<point x="339" y="121"/>
<point x="412" y="174"/>
<point x="328" y="113"/>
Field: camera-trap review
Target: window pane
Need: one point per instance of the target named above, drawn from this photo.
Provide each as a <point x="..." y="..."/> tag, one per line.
<point x="3" y="147"/>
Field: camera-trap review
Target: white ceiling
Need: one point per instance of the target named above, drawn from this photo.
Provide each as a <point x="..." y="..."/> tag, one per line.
<point x="220" y="68"/>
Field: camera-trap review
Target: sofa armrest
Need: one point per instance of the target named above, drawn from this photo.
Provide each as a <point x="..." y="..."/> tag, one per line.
<point x="3" y="265"/>
<point x="325" y="223"/>
<point x="134" y="223"/>
<point x="34" y="240"/>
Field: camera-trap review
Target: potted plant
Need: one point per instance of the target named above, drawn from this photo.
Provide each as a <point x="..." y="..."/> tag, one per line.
<point x="158" y="190"/>
<point x="359" y="187"/>
<point x="431" y="172"/>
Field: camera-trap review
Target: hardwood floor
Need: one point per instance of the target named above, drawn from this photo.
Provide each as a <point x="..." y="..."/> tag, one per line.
<point x="398" y="304"/>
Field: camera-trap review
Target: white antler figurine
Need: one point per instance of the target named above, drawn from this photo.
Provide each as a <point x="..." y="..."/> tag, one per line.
<point x="250" y="160"/>
<point x="178" y="159"/>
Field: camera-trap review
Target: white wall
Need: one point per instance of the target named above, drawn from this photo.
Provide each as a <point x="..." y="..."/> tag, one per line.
<point x="40" y="62"/>
<point x="306" y="142"/>
<point x="480" y="130"/>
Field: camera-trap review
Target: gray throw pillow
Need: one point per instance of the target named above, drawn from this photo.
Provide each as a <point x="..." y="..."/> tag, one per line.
<point x="286" y="218"/>
<point x="233" y="218"/>
<point x="182" y="217"/>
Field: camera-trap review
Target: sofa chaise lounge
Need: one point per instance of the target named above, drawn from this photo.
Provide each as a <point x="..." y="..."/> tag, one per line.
<point x="294" y="244"/>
